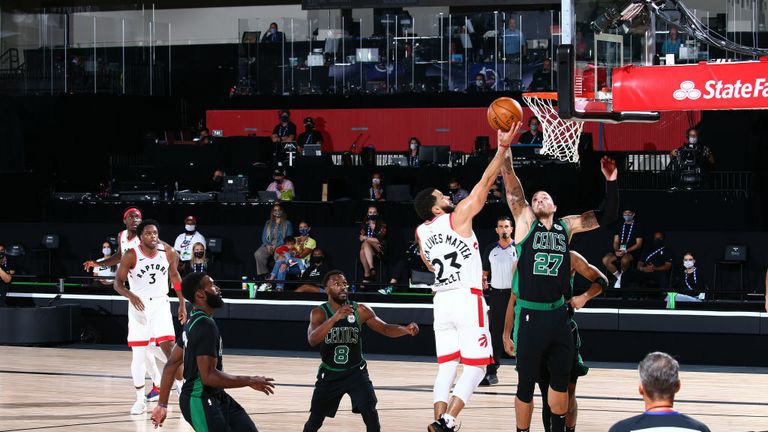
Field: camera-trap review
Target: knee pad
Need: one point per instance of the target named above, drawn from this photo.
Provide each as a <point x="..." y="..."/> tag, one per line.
<point x="446" y="373"/>
<point x="525" y="389"/>
<point x="468" y="381"/>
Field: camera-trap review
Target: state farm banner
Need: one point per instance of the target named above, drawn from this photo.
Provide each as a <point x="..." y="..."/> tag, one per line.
<point x="703" y="86"/>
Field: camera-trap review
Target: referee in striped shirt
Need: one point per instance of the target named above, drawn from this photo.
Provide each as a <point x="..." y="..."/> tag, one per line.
<point x="498" y="264"/>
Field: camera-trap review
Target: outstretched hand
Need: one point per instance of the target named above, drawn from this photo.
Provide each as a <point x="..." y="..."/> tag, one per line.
<point x="608" y="166"/>
<point x="506" y="138"/>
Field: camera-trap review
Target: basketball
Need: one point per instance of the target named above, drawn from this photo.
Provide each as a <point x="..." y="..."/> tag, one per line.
<point x="503" y="112"/>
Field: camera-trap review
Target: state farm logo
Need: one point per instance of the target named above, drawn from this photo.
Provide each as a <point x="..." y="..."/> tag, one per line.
<point x="687" y="90"/>
<point x="718" y="89"/>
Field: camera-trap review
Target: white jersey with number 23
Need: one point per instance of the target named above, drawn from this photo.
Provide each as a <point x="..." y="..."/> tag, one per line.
<point x="455" y="259"/>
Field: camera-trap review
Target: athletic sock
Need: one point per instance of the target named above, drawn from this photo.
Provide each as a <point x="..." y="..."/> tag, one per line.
<point x="528" y="429"/>
<point x="178" y="384"/>
<point x="558" y="422"/>
<point x="570" y="429"/>
<point x="450" y="420"/>
<point x="140" y="394"/>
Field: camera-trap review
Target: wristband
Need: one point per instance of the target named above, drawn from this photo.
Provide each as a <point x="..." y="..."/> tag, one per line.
<point x="162" y="405"/>
<point x="177" y="286"/>
<point x="600" y="281"/>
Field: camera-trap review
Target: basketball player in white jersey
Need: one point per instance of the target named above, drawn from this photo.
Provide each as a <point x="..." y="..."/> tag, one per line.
<point x="127" y="239"/>
<point x="449" y="247"/>
<point x="148" y="267"/>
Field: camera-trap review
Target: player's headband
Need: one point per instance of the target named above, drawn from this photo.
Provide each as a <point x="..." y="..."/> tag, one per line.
<point x="132" y="209"/>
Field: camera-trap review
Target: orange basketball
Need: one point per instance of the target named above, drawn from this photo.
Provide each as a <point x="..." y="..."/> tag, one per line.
<point x="503" y="113"/>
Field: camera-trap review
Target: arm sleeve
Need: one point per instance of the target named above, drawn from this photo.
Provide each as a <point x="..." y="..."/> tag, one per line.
<point x="609" y="208"/>
<point x="202" y="341"/>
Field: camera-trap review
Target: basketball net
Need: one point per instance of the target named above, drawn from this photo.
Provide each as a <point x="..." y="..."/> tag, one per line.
<point x="560" y="136"/>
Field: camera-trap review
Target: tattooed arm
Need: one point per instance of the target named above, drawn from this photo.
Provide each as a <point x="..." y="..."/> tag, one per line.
<point x="609" y="209"/>
<point x="521" y="210"/>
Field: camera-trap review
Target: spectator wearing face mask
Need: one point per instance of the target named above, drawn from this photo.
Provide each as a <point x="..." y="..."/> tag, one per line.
<point x="185" y="241"/>
<point x="627" y="243"/>
<point x="6" y="275"/>
<point x="104" y="271"/>
<point x="413" y="151"/>
<point x="373" y="237"/>
<point x="689" y="284"/>
<point x="304" y="243"/>
<point x="376" y="190"/>
<point x="458" y="193"/>
<point x="313" y="275"/>
<point x="478" y="86"/>
<point x="199" y="262"/>
<point x="282" y="186"/>
<point x="275" y="231"/>
<point x="533" y="135"/>
<point x="309" y="136"/>
<point x="654" y="266"/>
<point x="272" y="34"/>
<point x="490" y="83"/>
<point x="703" y="154"/>
<point x="285" y="130"/>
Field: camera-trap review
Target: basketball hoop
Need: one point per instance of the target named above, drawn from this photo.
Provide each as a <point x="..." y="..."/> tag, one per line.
<point x="561" y="137"/>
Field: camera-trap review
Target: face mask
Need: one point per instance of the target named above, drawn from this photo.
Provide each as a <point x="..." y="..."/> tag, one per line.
<point x="277" y="214"/>
<point x="658" y="241"/>
<point x="504" y="236"/>
<point x="454" y="190"/>
<point x="628" y="218"/>
<point x="284" y="118"/>
<point x="217" y="179"/>
<point x="376" y="181"/>
<point x="490" y="83"/>
<point x="214" y="300"/>
<point x="279" y="181"/>
<point x="105" y="251"/>
<point x="373" y="217"/>
<point x="190" y="228"/>
<point x="199" y="254"/>
<point x="414" y="146"/>
<point x="693" y="140"/>
<point x="272" y="30"/>
<point x="304" y="231"/>
<point x="534" y="127"/>
<point x="479" y="83"/>
<point x="316" y="259"/>
<point x="687" y="263"/>
<point x="309" y="128"/>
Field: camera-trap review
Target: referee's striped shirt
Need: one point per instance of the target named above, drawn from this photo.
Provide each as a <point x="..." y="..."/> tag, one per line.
<point x="499" y="260"/>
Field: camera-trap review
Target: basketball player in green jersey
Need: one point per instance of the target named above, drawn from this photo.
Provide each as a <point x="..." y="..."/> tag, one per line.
<point x="542" y="330"/>
<point x="337" y="327"/>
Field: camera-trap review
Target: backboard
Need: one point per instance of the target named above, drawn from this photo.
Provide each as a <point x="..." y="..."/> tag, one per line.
<point x="599" y="36"/>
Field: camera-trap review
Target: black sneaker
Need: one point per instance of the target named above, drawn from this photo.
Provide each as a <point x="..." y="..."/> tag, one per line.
<point x="492" y="379"/>
<point x="440" y="426"/>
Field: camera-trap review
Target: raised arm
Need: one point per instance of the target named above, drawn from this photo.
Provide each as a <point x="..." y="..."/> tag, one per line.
<point x="368" y="316"/>
<point x="592" y="274"/>
<point x="609" y="208"/>
<point x="471" y="205"/>
<point x="521" y="210"/>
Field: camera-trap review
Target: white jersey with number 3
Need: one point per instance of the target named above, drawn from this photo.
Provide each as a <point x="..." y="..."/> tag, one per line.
<point x="149" y="275"/>
<point x="455" y="259"/>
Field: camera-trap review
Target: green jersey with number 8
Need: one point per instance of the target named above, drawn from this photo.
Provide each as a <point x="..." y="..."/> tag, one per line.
<point x="544" y="264"/>
<point x="342" y="348"/>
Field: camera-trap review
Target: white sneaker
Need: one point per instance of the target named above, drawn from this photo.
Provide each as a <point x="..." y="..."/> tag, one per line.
<point x="139" y="407"/>
<point x="618" y="282"/>
<point x="265" y="287"/>
<point x="177" y="385"/>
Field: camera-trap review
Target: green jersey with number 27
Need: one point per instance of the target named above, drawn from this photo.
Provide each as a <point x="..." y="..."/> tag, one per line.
<point x="544" y="264"/>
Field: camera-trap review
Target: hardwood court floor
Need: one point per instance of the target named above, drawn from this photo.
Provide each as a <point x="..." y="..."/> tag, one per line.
<point x="66" y="389"/>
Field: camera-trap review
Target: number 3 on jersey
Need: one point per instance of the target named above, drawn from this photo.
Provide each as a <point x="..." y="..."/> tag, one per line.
<point x="547" y="264"/>
<point x="341" y="354"/>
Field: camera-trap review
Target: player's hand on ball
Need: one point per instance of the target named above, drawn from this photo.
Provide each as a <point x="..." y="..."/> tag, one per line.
<point x="158" y="416"/>
<point x="506" y="138"/>
<point x="263" y="384"/>
<point x="412" y="329"/>
<point x="608" y="166"/>
<point x="136" y="302"/>
<point x="509" y="346"/>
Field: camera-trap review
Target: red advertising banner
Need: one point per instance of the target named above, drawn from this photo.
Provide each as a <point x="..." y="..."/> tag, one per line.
<point x="703" y="86"/>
